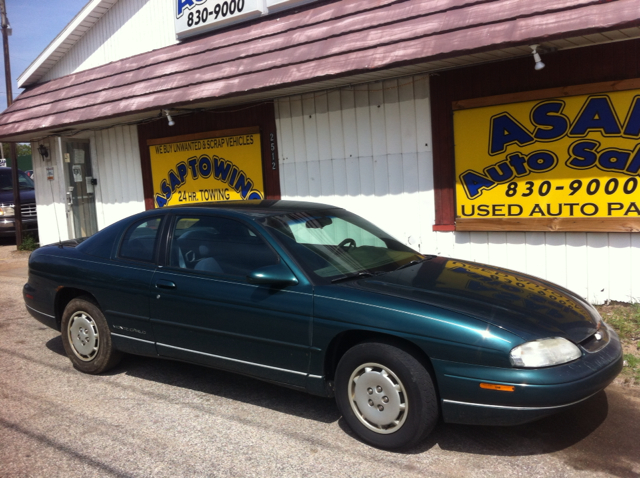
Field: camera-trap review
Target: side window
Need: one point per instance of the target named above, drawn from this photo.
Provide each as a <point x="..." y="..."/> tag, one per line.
<point x="218" y="245"/>
<point x="139" y="242"/>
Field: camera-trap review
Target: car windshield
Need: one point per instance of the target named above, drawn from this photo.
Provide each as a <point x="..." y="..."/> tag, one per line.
<point x="6" y="182"/>
<point x="336" y="245"/>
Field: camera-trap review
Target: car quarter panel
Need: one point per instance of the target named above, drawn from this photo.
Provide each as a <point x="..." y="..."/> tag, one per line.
<point x="120" y="288"/>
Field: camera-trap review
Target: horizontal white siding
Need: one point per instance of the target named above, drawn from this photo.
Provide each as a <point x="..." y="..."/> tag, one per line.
<point x="116" y="166"/>
<point x="367" y="148"/>
<point x="129" y="28"/>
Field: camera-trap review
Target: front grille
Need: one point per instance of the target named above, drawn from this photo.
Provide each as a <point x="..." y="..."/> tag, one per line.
<point x="28" y="210"/>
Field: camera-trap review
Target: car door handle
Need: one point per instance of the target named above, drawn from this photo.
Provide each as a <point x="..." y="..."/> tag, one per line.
<point x="165" y="284"/>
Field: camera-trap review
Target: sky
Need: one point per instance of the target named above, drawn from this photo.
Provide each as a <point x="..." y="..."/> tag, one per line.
<point x="35" y="24"/>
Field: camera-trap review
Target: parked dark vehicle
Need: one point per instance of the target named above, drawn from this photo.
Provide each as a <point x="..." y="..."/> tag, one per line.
<point x="27" y="199"/>
<point x="318" y="299"/>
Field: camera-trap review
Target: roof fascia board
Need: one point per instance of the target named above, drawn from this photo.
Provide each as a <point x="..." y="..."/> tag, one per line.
<point x="90" y="9"/>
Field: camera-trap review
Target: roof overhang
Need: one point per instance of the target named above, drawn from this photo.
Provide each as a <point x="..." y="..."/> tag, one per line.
<point x="72" y="33"/>
<point x="327" y="46"/>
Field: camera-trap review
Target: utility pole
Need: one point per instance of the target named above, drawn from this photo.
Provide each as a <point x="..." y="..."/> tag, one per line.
<point x="17" y="206"/>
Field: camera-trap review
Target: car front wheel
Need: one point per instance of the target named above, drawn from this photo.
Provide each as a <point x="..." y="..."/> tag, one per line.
<point x="385" y="395"/>
<point x="86" y="337"/>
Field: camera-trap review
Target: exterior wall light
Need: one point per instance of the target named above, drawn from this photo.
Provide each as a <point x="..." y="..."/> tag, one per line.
<point x="169" y="119"/>
<point x="536" y="57"/>
<point x="44" y="152"/>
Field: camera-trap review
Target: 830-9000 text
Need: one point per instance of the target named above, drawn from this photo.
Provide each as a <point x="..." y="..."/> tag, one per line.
<point x="222" y="9"/>
<point x="592" y="187"/>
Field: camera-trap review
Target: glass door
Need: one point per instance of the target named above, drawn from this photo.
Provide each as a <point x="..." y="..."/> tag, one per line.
<point x="81" y="202"/>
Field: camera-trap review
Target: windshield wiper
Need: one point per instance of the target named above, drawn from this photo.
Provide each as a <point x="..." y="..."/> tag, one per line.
<point x="354" y="275"/>
<point x="414" y="262"/>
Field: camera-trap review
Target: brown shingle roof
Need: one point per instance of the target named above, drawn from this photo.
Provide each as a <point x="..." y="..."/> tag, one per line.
<point x="330" y="40"/>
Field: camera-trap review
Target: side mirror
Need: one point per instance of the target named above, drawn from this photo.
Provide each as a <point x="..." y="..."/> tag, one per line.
<point x="275" y="275"/>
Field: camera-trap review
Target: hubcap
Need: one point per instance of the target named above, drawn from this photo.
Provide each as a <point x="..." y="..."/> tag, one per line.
<point x="83" y="336"/>
<point x="378" y="398"/>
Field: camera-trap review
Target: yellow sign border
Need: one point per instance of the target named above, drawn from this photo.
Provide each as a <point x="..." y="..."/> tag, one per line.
<point x="601" y="224"/>
<point x="216" y="166"/>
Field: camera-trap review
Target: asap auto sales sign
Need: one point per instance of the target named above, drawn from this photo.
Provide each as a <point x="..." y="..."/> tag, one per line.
<point x="575" y="157"/>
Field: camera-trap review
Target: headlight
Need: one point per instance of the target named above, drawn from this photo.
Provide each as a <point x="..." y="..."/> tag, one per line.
<point x="544" y="353"/>
<point x="7" y="211"/>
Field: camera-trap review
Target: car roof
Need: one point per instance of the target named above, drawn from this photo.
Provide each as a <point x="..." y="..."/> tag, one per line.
<point x="268" y="207"/>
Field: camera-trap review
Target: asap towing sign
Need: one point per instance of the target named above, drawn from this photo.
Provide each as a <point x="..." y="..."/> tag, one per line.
<point x="575" y="157"/>
<point x="216" y="166"/>
<point x="193" y="17"/>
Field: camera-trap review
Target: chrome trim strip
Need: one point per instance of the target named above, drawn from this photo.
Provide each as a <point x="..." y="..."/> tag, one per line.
<point x="134" y="338"/>
<point x="41" y="313"/>
<point x="233" y="360"/>
<point x="315" y="376"/>
<point x="518" y="408"/>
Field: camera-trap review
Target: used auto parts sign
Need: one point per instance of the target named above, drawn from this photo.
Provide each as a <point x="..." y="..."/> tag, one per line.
<point x="573" y="157"/>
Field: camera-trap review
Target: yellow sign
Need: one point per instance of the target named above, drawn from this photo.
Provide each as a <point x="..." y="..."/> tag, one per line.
<point x="206" y="167"/>
<point x="571" y="157"/>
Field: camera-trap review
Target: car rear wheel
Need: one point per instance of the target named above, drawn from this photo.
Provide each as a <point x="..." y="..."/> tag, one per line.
<point x="385" y="395"/>
<point x="86" y="337"/>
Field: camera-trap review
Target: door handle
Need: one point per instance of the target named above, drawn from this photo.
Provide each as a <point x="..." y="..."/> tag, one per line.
<point x="165" y="284"/>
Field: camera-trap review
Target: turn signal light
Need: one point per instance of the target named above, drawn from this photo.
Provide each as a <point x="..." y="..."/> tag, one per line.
<point x="500" y="388"/>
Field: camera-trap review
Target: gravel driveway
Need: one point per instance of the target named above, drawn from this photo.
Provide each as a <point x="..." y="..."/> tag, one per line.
<point x="153" y="417"/>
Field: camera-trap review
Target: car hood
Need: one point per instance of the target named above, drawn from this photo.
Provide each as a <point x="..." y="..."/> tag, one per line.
<point x="526" y="306"/>
<point x="26" y="196"/>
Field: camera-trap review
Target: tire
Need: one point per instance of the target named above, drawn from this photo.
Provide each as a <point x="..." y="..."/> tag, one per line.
<point x="386" y="396"/>
<point x="86" y="337"/>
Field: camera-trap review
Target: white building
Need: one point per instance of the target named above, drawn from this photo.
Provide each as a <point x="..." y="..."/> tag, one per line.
<point x="426" y="117"/>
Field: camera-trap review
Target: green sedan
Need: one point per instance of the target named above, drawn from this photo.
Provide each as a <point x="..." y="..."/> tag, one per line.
<point x="318" y="299"/>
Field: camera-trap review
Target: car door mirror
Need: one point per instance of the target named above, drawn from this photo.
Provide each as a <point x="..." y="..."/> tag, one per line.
<point x="275" y="275"/>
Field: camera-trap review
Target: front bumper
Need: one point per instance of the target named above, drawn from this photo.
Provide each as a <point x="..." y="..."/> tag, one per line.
<point x="537" y="392"/>
<point x="8" y="225"/>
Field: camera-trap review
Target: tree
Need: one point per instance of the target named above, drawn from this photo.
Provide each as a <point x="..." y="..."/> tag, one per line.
<point x="23" y="149"/>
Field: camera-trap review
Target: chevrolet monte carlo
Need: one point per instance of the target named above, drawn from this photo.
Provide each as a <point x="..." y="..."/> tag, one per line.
<point x="316" y="298"/>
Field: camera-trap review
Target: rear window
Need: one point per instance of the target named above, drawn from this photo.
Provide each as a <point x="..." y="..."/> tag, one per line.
<point x="101" y="243"/>
<point x="140" y="241"/>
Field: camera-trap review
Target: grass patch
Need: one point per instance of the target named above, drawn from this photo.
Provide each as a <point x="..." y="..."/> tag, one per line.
<point x="633" y="367"/>
<point x="29" y="243"/>
<point x="625" y="319"/>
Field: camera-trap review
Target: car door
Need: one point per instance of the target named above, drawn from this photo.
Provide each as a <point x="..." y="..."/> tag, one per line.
<point x="206" y="311"/>
<point x="123" y="285"/>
